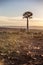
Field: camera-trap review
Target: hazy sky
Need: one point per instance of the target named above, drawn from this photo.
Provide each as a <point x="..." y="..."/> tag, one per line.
<point x="18" y="7"/>
<point x="15" y="8"/>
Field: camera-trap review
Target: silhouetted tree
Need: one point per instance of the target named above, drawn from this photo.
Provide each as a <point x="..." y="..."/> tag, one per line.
<point x="27" y="15"/>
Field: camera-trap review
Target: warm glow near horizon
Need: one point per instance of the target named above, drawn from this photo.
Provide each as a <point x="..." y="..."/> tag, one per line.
<point x="11" y="12"/>
<point x="19" y="21"/>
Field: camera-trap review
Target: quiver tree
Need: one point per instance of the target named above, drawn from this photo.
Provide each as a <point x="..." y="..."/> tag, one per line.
<point x="27" y="15"/>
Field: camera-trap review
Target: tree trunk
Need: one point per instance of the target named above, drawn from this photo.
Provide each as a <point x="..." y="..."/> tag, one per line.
<point x="27" y="25"/>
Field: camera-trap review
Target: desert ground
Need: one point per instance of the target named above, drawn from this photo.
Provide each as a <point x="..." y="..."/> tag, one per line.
<point x="19" y="47"/>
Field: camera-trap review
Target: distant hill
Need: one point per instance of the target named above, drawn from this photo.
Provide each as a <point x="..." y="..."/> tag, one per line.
<point x="23" y="27"/>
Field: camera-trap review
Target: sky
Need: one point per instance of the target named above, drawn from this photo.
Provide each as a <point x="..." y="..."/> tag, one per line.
<point x="11" y="11"/>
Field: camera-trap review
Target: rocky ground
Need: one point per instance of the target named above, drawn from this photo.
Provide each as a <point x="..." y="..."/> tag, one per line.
<point x="19" y="47"/>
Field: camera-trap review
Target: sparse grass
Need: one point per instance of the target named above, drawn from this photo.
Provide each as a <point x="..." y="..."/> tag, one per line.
<point x="20" y="41"/>
<point x="11" y="40"/>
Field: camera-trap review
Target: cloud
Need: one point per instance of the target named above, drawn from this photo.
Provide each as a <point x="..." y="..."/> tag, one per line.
<point x="19" y="21"/>
<point x="11" y="21"/>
